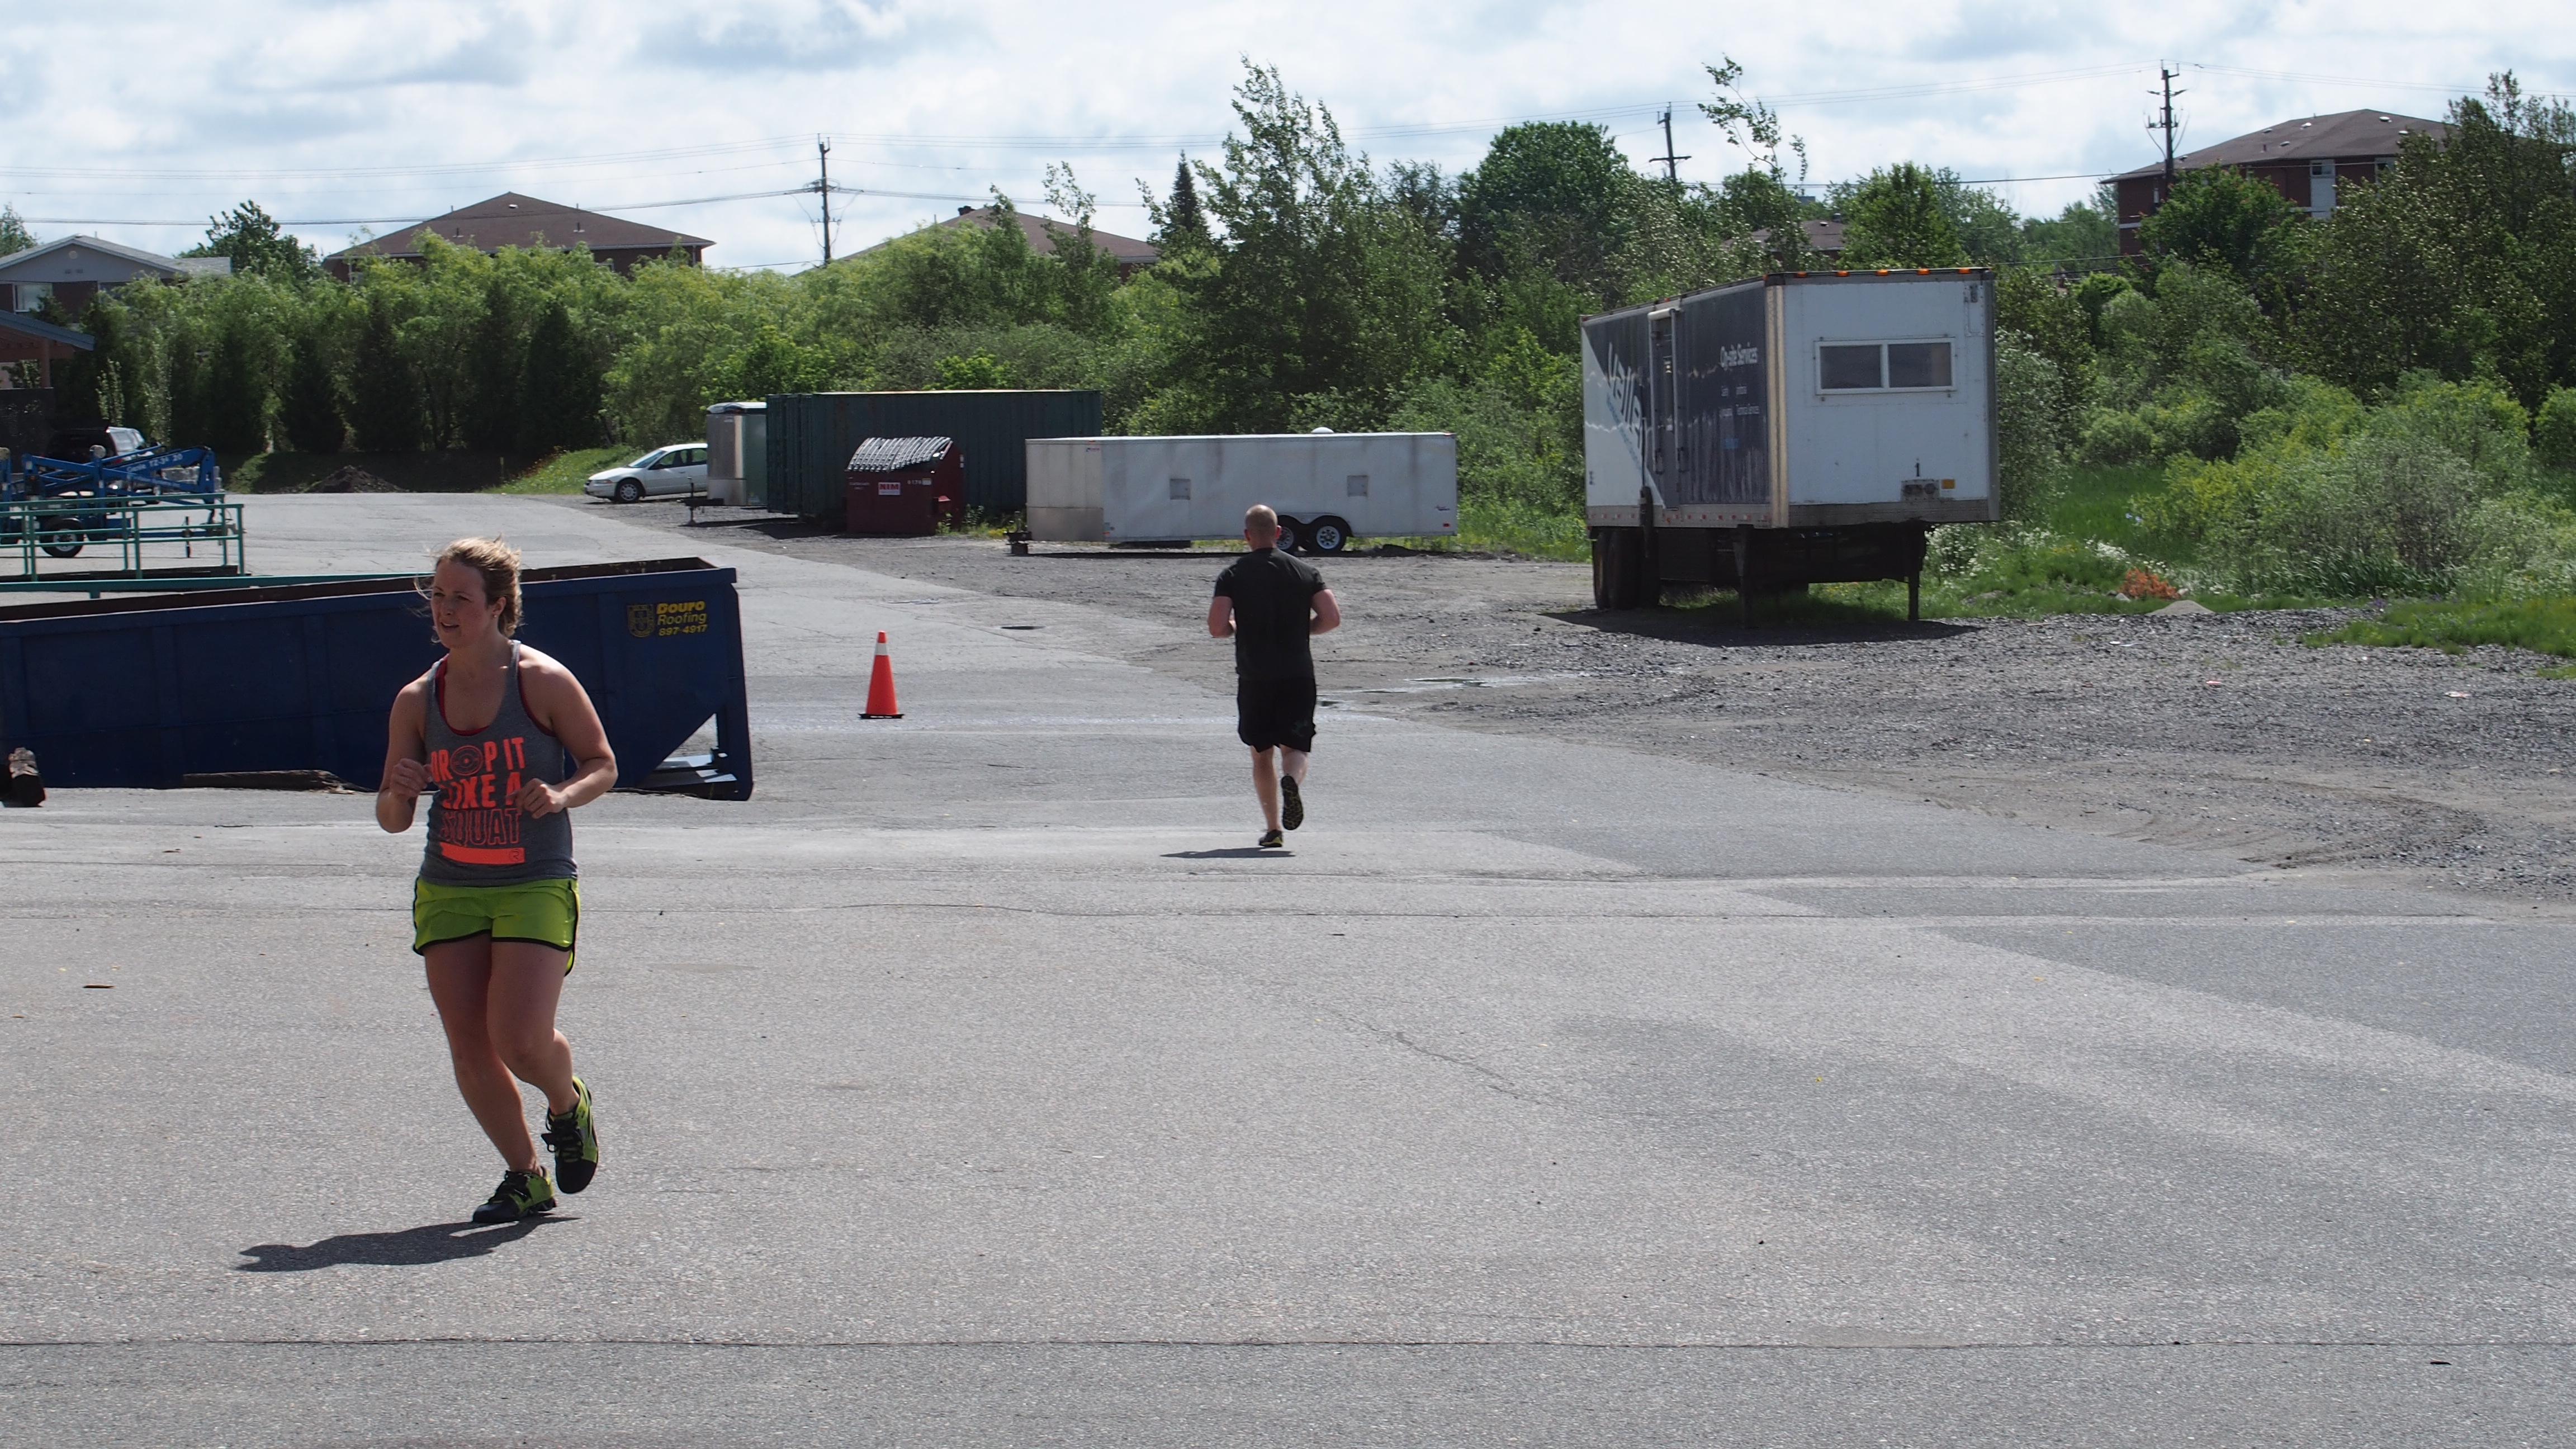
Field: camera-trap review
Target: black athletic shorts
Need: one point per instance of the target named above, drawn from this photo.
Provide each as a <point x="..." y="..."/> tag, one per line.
<point x="1269" y="713"/>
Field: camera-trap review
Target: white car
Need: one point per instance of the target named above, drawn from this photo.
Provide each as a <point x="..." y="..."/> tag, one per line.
<point x="677" y="468"/>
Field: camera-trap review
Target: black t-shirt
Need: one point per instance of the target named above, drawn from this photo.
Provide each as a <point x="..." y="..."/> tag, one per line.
<point x="1274" y="614"/>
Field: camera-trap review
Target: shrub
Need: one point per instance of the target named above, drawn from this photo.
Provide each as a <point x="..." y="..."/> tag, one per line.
<point x="2030" y="428"/>
<point x="2553" y="432"/>
<point x="2381" y="515"/>
<point x="2115" y="437"/>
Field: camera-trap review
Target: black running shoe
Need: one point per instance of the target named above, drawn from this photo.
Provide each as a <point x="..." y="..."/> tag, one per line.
<point x="520" y="1195"/>
<point x="575" y="1140"/>
<point x="1273" y="840"/>
<point x="1292" y="806"/>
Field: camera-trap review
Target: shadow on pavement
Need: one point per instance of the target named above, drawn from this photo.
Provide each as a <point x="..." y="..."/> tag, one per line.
<point x="1239" y="852"/>
<point x="1714" y="626"/>
<point x="408" y="1248"/>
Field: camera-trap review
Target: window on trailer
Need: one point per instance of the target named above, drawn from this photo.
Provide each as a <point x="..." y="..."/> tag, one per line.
<point x="1883" y="366"/>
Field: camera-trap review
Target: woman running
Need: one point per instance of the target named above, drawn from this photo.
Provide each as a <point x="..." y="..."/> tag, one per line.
<point x="509" y="741"/>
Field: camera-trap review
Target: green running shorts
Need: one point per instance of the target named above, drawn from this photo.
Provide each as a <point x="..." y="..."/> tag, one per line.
<point x="547" y="912"/>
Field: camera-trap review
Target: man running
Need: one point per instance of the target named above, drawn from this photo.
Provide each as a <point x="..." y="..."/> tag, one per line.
<point x="1271" y="605"/>
<point x="508" y="740"/>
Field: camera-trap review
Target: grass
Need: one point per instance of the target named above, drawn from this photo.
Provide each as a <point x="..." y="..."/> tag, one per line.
<point x="565" y="472"/>
<point x="2102" y="503"/>
<point x="2544" y="626"/>
<point x="1505" y="526"/>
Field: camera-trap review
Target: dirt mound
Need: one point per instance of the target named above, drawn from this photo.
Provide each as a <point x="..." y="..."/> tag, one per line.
<point x="350" y="480"/>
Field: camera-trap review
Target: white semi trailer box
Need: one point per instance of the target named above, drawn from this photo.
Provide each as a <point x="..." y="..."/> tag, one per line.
<point x="1796" y="428"/>
<point x="1329" y="488"/>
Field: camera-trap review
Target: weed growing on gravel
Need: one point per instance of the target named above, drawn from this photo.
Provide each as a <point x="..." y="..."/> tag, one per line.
<point x="2544" y="626"/>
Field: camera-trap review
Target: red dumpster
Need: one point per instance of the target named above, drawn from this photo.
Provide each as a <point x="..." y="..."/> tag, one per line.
<point x="904" y="487"/>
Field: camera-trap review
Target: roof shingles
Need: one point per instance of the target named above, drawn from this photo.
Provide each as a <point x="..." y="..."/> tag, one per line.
<point x="514" y="220"/>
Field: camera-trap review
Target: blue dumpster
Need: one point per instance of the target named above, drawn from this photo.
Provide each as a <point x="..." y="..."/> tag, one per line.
<point x="153" y="691"/>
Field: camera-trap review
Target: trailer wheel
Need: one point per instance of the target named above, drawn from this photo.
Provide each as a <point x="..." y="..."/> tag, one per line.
<point x="1618" y="567"/>
<point x="60" y="534"/>
<point x="1327" y="535"/>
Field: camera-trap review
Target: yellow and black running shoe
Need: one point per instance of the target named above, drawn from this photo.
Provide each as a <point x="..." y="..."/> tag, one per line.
<point x="520" y="1195"/>
<point x="1273" y="840"/>
<point x="1292" y="802"/>
<point x="575" y="1140"/>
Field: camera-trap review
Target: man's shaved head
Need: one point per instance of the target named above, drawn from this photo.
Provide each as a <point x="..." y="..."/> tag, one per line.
<point x="1261" y="525"/>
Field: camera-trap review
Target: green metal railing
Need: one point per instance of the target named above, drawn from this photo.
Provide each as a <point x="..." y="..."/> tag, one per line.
<point x="164" y="536"/>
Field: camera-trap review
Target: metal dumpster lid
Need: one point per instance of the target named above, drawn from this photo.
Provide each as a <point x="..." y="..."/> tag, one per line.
<point x="888" y="455"/>
<point x="253" y="592"/>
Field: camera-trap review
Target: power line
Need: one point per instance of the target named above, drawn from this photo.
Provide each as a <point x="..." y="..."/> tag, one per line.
<point x="807" y="189"/>
<point x="2339" y="80"/>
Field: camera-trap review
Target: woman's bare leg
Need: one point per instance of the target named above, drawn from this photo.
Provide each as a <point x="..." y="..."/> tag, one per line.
<point x="527" y="983"/>
<point x="460" y="978"/>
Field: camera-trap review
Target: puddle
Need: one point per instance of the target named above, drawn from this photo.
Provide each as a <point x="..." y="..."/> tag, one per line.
<point x="1438" y="682"/>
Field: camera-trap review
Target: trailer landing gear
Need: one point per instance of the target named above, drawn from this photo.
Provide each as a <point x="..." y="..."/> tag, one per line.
<point x="1618" y="568"/>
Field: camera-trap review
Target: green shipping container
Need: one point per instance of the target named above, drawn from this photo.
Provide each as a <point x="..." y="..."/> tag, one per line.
<point x="812" y="434"/>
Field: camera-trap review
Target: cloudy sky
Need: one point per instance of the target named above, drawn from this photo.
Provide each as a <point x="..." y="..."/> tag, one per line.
<point x="135" y="121"/>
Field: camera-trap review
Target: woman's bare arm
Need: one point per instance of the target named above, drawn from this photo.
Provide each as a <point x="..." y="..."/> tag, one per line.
<point x="558" y="703"/>
<point x="406" y="772"/>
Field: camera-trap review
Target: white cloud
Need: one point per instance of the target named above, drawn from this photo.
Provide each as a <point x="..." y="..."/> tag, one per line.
<point x="401" y="110"/>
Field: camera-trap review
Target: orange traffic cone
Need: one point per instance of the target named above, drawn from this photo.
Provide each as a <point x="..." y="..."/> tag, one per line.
<point x="881" y="703"/>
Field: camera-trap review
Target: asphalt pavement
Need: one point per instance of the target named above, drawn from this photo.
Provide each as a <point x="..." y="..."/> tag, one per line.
<point x="978" y="1083"/>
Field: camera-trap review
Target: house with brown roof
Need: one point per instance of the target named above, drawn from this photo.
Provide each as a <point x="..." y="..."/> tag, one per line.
<point x="2307" y="161"/>
<point x="513" y="220"/>
<point x="1824" y="237"/>
<point x="1133" y="256"/>
<point x="71" y="270"/>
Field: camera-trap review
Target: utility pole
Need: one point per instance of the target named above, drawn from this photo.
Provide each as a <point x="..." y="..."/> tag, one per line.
<point x="2166" y="122"/>
<point x="1672" y="167"/>
<point x="823" y="188"/>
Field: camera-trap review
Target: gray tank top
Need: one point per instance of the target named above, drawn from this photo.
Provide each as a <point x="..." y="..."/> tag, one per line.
<point x="478" y="835"/>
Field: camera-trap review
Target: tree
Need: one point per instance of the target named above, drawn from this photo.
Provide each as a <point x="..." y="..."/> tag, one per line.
<point x="1319" y="287"/>
<point x="384" y="397"/>
<point x="309" y="411"/>
<point x="257" y="246"/>
<point x="1760" y="200"/>
<point x="2086" y="231"/>
<point x="491" y="421"/>
<point x="184" y="382"/>
<point x="1180" y="223"/>
<point x="14" y="236"/>
<point x="2037" y="315"/>
<point x="981" y="370"/>
<point x="236" y="392"/>
<point x="2217" y="216"/>
<point x="1894" y="218"/>
<point x="91" y="385"/>
<point x="770" y="363"/>
<point x="1988" y="229"/>
<point x="2456" y="262"/>
<point x="1757" y="203"/>
<point x="559" y="391"/>
<point x="1550" y="197"/>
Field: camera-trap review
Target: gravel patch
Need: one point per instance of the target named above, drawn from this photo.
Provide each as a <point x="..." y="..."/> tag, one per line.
<point x="2218" y="731"/>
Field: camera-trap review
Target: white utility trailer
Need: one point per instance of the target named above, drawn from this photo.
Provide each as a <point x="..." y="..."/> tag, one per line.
<point x="1799" y="428"/>
<point x="1328" y="488"/>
